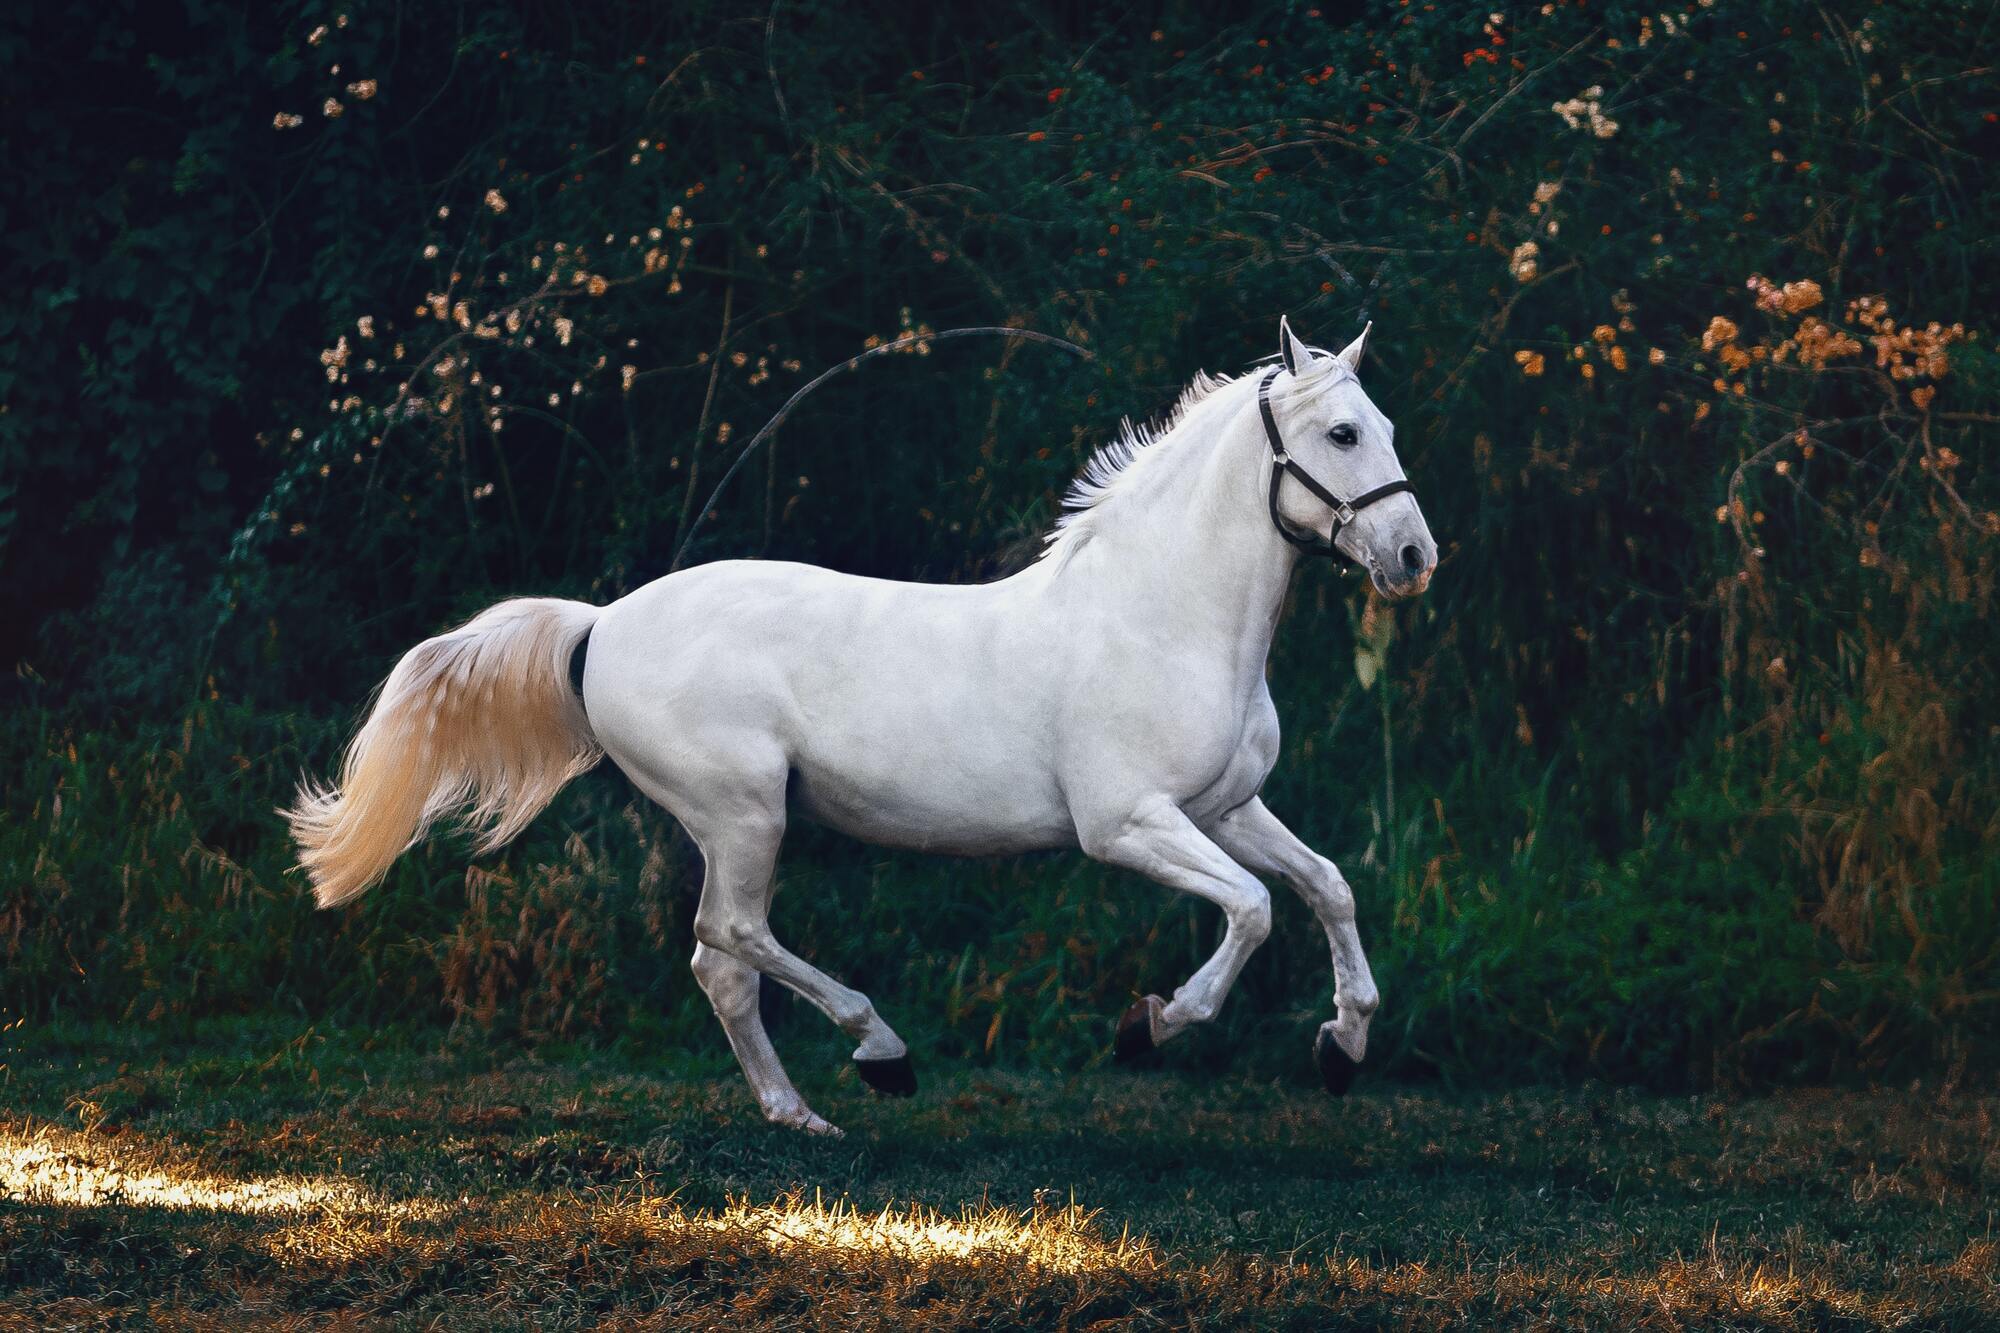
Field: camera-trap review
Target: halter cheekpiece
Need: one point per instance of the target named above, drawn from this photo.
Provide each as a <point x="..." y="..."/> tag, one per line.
<point x="1282" y="465"/>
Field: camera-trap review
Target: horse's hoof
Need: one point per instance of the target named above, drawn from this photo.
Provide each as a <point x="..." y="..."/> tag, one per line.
<point x="892" y="1078"/>
<point x="1336" y="1066"/>
<point x="1135" y="1030"/>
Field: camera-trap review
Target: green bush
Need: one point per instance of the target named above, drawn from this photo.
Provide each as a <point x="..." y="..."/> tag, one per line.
<point x="1679" y="774"/>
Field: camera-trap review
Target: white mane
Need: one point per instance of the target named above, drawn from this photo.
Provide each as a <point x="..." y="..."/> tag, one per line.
<point x="1101" y="473"/>
<point x="1112" y="464"/>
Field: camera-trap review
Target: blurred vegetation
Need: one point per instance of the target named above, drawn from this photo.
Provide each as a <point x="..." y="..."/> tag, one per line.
<point x="330" y="325"/>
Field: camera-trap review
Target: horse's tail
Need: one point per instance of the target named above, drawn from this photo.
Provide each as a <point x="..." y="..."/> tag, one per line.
<point x="482" y="718"/>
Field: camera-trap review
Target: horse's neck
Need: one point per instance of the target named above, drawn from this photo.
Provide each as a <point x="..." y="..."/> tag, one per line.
<point x="1198" y="552"/>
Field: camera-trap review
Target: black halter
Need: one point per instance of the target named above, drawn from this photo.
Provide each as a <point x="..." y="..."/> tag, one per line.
<point x="1282" y="464"/>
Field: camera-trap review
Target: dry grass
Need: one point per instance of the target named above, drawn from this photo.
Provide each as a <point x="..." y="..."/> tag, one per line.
<point x="323" y="1186"/>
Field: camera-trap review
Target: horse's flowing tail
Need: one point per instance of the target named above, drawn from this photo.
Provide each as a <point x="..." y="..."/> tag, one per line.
<point x="482" y="717"/>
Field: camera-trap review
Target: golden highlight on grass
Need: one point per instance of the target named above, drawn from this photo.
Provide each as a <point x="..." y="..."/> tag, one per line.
<point x="1059" y="1240"/>
<point x="48" y="1165"/>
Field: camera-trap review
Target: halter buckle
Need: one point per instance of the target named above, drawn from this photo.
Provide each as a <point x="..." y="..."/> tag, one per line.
<point x="1281" y="458"/>
<point x="1345" y="514"/>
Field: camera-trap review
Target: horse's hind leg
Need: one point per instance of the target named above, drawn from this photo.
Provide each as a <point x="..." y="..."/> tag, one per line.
<point x="732" y="988"/>
<point x="734" y="920"/>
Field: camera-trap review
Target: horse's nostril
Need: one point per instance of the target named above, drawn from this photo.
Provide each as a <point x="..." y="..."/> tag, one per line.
<point x="1413" y="560"/>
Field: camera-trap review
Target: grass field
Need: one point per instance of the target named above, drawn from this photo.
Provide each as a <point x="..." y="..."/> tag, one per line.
<point x="254" y="1177"/>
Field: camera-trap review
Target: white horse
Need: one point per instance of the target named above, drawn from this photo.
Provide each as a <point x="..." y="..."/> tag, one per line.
<point x="1111" y="696"/>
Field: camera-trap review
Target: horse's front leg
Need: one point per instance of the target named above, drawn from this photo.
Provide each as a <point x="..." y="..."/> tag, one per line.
<point x="1253" y="835"/>
<point x="1160" y="842"/>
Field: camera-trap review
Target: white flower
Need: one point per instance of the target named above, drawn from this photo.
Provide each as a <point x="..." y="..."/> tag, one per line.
<point x="1585" y="111"/>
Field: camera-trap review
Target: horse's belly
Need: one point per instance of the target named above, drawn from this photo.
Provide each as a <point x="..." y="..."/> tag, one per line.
<point x="932" y="807"/>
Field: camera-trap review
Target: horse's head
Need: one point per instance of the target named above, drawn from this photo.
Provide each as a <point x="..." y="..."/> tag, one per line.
<point x="1342" y="449"/>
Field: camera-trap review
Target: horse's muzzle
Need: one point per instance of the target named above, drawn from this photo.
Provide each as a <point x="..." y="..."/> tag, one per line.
<point x="1410" y="572"/>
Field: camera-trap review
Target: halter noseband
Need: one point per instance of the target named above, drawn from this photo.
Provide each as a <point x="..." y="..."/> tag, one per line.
<point x="1282" y="464"/>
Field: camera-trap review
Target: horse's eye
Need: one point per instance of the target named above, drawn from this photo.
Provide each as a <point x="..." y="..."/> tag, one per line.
<point x="1344" y="436"/>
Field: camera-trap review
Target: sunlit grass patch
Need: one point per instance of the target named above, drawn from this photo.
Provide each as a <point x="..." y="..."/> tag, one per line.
<point x="1061" y="1240"/>
<point x="46" y="1164"/>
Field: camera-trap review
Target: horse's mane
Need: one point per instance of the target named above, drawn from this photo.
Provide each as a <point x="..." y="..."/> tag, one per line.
<point x="1099" y="480"/>
<point x="1105" y="466"/>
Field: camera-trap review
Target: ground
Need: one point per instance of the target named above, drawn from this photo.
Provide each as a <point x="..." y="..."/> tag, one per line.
<point x="247" y="1176"/>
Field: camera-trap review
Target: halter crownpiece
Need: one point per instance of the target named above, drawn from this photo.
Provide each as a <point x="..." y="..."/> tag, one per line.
<point x="1282" y="464"/>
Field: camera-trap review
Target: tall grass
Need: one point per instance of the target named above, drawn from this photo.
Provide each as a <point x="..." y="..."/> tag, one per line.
<point x="151" y="890"/>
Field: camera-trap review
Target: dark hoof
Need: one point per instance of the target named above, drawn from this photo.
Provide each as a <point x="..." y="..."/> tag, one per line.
<point x="891" y="1078"/>
<point x="1335" y="1065"/>
<point x="1135" y="1030"/>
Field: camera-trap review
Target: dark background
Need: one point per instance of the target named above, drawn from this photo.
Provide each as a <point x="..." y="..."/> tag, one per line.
<point x="1683" y="773"/>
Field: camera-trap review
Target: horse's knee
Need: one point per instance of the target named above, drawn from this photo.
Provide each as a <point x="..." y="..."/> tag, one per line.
<point x="1251" y="915"/>
<point x="1336" y="896"/>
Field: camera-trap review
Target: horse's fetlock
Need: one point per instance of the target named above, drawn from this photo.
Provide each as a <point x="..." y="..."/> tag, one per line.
<point x="1191" y="1009"/>
<point x="784" y="1108"/>
<point x="855" y="1017"/>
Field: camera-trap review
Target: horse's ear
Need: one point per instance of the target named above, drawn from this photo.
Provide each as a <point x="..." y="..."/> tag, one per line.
<point x="1351" y="353"/>
<point x="1290" y="350"/>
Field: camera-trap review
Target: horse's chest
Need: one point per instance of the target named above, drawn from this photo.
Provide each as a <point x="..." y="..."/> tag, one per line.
<point x="1238" y="777"/>
<point x="1213" y="759"/>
